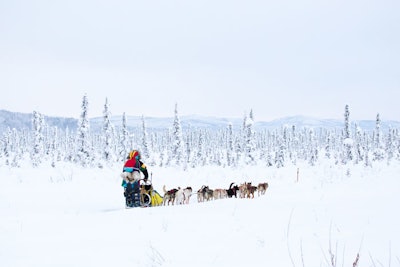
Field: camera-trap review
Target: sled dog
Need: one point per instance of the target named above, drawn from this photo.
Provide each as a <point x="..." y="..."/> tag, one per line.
<point x="204" y="194"/>
<point x="251" y="190"/>
<point x="220" y="193"/>
<point x="169" y="196"/>
<point x="182" y="196"/>
<point x="247" y="190"/>
<point x="262" y="188"/>
<point x="232" y="191"/>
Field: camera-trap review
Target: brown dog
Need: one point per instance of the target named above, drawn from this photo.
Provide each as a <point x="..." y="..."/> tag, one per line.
<point x="262" y="188"/>
<point x="204" y="194"/>
<point x="220" y="193"/>
<point x="169" y="196"/>
<point x="250" y="189"/>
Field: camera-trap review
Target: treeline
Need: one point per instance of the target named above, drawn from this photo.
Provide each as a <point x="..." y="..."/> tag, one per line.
<point x="196" y="147"/>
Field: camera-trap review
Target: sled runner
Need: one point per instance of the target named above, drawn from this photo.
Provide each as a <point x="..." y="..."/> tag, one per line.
<point x="149" y="194"/>
<point x="140" y="193"/>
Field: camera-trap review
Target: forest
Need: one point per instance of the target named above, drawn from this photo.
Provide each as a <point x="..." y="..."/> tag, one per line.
<point x="195" y="147"/>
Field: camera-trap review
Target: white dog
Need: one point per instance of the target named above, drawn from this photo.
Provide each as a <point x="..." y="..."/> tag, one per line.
<point x="183" y="195"/>
<point x="130" y="177"/>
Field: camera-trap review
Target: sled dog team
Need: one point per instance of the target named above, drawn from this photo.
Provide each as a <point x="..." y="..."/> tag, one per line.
<point x="181" y="196"/>
<point x="131" y="174"/>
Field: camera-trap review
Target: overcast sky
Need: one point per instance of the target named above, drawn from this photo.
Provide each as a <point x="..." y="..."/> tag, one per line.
<point x="212" y="57"/>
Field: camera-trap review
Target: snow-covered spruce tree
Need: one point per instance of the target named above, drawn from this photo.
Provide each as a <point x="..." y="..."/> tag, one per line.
<point x="359" y="146"/>
<point x="268" y="159"/>
<point x="230" y="146"/>
<point x="38" y="126"/>
<point x="268" y="154"/>
<point x="168" y="156"/>
<point x="222" y="151"/>
<point x="378" y="151"/>
<point x="2" y="150"/>
<point x="287" y="141"/>
<point x="83" y="147"/>
<point x="337" y="145"/>
<point x="191" y="148"/>
<point x="6" y="147"/>
<point x="312" y="148"/>
<point x="249" y="139"/>
<point x="177" y="142"/>
<point x="53" y="146"/>
<point x="68" y="151"/>
<point x="18" y="145"/>
<point x="153" y="157"/>
<point x="145" y="150"/>
<point x="251" y="115"/>
<point x="280" y="152"/>
<point x="367" y="162"/>
<point x="390" y="145"/>
<point x="243" y="136"/>
<point x="328" y="146"/>
<point x="201" y="157"/>
<point x="367" y="147"/>
<point x="108" y="135"/>
<point x="280" y="156"/>
<point x="123" y="140"/>
<point x="238" y="148"/>
<point x="163" y="152"/>
<point x="292" y="144"/>
<point x="347" y="140"/>
<point x="397" y="143"/>
<point x="218" y="157"/>
<point x="188" y="149"/>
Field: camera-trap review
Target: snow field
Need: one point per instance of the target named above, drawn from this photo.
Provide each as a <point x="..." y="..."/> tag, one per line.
<point x="71" y="216"/>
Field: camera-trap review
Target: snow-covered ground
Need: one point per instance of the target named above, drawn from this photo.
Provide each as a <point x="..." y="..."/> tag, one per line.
<point x="69" y="216"/>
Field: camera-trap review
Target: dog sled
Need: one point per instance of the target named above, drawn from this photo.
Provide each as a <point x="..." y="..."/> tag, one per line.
<point x="141" y="193"/>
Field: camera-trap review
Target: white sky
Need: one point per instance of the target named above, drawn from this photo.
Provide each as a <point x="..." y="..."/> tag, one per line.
<point x="218" y="58"/>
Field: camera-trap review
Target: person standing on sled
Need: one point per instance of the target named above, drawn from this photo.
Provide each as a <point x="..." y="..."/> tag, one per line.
<point x="131" y="176"/>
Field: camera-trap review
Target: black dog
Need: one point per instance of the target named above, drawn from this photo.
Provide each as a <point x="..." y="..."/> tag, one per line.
<point x="232" y="191"/>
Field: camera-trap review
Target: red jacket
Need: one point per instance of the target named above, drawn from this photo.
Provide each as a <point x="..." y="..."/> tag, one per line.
<point x="135" y="165"/>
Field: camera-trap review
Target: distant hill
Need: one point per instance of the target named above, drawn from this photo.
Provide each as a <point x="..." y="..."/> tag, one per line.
<point x="310" y="122"/>
<point x="23" y="121"/>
